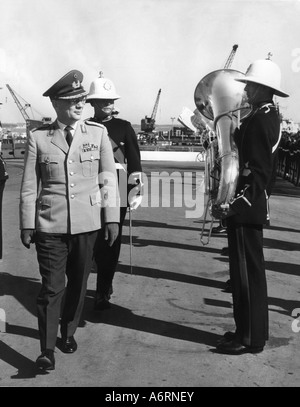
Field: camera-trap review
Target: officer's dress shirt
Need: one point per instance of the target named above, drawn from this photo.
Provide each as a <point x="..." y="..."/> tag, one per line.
<point x="63" y="126"/>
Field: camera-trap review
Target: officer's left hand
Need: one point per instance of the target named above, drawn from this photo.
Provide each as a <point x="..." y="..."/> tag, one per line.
<point x="27" y="237"/>
<point x="111" y="232"/>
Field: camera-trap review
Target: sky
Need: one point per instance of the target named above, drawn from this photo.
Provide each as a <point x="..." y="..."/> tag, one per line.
<point x="142" y="46"/>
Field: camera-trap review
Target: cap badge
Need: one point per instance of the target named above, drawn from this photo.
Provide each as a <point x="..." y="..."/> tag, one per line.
<point x="76" y="84"/>
<point x="107" y="86"/>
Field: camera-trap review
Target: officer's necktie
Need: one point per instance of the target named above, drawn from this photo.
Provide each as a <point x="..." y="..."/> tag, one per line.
<point x="69" y="136"/>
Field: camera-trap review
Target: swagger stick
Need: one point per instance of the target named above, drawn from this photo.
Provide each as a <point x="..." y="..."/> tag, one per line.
<point x="130" y="238"/>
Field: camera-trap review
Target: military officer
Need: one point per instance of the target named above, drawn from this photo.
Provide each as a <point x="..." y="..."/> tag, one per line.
<point x="257" y="141"/>
<point x="128" y="163"/>
<point x="69" y="174"/>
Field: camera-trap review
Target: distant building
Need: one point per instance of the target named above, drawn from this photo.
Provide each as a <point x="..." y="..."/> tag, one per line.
<point x="289" y="126"/>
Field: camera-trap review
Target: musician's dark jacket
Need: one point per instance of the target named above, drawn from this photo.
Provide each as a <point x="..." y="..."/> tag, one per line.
<point x="3" y="173"/>
<point x="257" y="140"/>
<point x="3" y="178"/>
<point x="125" y="147"/>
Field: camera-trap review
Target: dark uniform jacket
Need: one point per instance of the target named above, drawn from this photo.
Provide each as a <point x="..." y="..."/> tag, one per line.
<point x="125" y="148"/>
<point x="257" y="141"/>
<point x="124" y="143"/>
<point x="3" y="173"/>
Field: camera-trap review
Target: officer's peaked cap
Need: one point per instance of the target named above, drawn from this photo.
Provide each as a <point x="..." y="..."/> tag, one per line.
<point x="68" y="87"/>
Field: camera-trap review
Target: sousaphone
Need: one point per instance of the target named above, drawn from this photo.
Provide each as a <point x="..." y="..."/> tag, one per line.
<point x="222" y="100"/>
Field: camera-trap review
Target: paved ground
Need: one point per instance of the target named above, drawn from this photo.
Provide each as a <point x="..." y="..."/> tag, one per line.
<point x="167" y="315"/>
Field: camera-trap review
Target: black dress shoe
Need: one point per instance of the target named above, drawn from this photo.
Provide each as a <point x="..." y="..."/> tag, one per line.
<point x="219" y="229"/>
<point x="46" y="360"/>
<point x="101" y="303"/>
<point x="235" y="348"/>
<point x="228" y="287"/>
<point x="69" y="345"/>
<point x="110" y="291"/>
<point x="228" y="336"/>
<point x="254" y="349"/>
<point x="225" y="251"/>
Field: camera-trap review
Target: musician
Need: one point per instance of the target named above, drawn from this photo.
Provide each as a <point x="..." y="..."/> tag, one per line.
<point x="257" y="140"/>
<point x="102" y="97"/>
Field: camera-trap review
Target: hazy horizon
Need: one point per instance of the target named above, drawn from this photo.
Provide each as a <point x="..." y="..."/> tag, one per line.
<point x="143" y="46"/>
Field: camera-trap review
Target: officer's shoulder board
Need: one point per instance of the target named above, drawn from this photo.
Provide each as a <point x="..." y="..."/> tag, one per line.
<point x="92" y="123"/>
<point x="43" y="127"/>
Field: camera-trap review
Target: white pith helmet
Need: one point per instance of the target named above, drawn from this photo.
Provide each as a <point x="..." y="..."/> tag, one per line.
<point x="265" y="72"/>
<point x="102" y="88"/>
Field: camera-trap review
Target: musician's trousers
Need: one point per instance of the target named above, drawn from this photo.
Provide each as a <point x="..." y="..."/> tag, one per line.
<point x="248" y="281"/>
<point x="107" y="257"/>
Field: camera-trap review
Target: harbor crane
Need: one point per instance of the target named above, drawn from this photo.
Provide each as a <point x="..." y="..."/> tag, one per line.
<point x="31" y="122"/>
<point x="231" y="56"/>
<point x="193" y="120"/>
<point x="148" y="124"/>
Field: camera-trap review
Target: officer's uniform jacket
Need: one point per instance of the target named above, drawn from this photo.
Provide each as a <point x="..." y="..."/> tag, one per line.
<point x="60" y="190"/>
<point x="257" y="141"/>
<point x="126" y="151"/>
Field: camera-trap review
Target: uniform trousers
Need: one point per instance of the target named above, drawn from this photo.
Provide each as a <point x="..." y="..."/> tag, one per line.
<point x="106" y="259"/>
<point x="248" y="281"/>
<point x="61" y="257"/>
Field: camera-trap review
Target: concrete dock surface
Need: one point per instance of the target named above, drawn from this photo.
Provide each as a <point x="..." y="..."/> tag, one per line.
<point x="169" y="305"/>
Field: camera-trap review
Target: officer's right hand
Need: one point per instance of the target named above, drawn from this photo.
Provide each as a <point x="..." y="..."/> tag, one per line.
<point x="111" y="232"/>
<point x="27" y="237"/>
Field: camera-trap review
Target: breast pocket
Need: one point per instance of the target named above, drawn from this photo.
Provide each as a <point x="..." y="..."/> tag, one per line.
<point x="90" y="163"/>
<point x="49" y="165"/>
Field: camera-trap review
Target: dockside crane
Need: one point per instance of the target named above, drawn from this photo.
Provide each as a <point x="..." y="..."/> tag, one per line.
<point x="31" y="122"/>
<point x="148" y="123"/>
<point x="231" y="56"/>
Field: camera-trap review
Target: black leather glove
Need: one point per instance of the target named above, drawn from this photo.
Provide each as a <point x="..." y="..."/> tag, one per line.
<point x="224" y="212"/>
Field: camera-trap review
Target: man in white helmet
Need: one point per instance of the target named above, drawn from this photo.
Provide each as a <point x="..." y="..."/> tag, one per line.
<point x="126" y="151"/>
<point x="257" y="140"/>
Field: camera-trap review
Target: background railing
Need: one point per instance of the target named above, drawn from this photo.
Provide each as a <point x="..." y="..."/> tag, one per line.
<point x="289" y="158"/>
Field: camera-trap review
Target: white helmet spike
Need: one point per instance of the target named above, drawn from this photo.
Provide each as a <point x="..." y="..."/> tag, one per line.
<point x="102" y="88"/>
